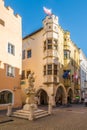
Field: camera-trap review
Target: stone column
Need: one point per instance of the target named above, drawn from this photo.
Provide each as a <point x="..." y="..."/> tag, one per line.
<point x="50" y="108"/>
<point x="9" y="110"/>
<point x="52" y="100"/>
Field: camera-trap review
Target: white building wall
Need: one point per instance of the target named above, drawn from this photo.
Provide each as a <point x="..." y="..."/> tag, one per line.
<point x="83" y="72"/>
<point x="10" y="33"/>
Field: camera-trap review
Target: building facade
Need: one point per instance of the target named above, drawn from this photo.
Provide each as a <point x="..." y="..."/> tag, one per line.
<point x="10" y="57"/>
<point x="83" y="74"/>
<point x="51" y="55"/>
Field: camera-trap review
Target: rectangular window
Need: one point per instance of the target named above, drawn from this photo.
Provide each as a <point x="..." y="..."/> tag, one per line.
<point x="29" y="54"/>
<point x="49" y="43"/>
<point x="23" y="74"/>
<point x="2" y="22"/>
<point x="11" y="49"/>
<point x="23" y="54"/>
<point x="66" y="54"/>
<point x="10" y="71"/>
<point x="49" y="69"/>
<point x="44" y="69"/>
<point x="44" y="45"/>
<point x="55" y="69"/>
<point x="49" y="46"/>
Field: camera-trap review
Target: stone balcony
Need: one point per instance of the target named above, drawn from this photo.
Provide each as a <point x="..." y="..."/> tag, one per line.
<point x="50" y="53"/>
<point x="67" y="82"/>
<point x="51" y="79"/>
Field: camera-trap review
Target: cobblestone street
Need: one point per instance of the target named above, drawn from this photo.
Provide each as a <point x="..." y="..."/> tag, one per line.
<point x="72" y="118"/>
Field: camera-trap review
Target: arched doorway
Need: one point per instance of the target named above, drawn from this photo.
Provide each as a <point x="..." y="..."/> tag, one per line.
<point x="42" y="97"/>
<point x="60" y="95"/>
<point x="70" y="96"/>
<point x="6" y="97"/>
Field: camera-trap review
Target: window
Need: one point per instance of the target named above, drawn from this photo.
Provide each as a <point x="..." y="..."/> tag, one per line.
<point x="2" y="22"/>
<point x="55" y="69"/>
<point x="66" y="54"/>
<point x="49" y="69"/>
<point x="49" y="41"/>
<point x="44" y="69"/>
<point x="49" y="27"/>
<point x="11" y="49"/>
<point x="28" y="53"/>
<point x="23" y="74"/>
<point x="5" y="97"/>
<point x="49" y="46"/>
<point x="10" y="71"/>
<point x="44" y="45"/>
<point x="23" y="54"/>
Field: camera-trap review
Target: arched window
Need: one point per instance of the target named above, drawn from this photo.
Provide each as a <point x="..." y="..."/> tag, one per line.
<point x="6" y="97"/>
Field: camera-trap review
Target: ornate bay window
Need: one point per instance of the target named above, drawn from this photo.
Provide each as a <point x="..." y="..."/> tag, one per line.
<point x="50" y="69"/>
<point x="50" y="44"/>
<point x="51" y="74"/>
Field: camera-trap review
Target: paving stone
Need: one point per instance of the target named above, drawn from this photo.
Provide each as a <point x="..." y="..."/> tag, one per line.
<point x="74" y="118"/>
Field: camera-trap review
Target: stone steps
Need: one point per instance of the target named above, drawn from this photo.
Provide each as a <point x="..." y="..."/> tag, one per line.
<point x="25" y="114"/>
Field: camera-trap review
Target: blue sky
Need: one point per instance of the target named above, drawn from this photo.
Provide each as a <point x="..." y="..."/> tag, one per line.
<point x="72" y="16"/>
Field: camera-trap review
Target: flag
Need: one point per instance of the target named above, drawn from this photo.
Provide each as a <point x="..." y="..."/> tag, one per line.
<point x="66" y="74"/>
<point x="47" y="11"/>
<point x="75" y="76"/>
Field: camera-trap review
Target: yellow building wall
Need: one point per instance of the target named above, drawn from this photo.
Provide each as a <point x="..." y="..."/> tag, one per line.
<point x="39" y="58"/>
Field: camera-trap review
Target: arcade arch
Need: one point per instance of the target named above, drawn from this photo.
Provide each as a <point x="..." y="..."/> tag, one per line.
<point x="61" y="95"/>
<point x="70" y="95"/>
<point x="6" y="97"/>
<point x="42" y="97"/>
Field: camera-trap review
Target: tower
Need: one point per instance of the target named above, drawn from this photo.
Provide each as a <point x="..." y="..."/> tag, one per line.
<point x="50" y="50"/>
